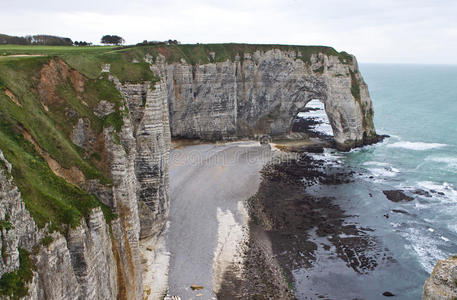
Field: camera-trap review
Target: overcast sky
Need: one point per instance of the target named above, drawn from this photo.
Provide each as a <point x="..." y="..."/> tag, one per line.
<point x="383" y="31"/>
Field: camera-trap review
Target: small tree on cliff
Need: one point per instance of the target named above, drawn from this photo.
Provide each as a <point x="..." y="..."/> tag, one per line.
<point x="112" y="40"/>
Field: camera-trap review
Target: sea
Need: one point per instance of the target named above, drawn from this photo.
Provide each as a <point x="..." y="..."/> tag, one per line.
<point x="416" y="105"/>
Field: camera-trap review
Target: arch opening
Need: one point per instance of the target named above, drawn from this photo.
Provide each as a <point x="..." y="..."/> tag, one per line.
<point x="312" y="122"/>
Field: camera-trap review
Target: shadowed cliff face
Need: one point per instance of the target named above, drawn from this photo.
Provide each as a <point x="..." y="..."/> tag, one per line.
<point x="262" y="93"/>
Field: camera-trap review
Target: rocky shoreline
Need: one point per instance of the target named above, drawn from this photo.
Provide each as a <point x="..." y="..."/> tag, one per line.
<point x="290" y="227"/>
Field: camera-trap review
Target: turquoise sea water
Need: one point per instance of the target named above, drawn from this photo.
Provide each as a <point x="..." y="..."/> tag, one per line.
<point x="417" y="106"/>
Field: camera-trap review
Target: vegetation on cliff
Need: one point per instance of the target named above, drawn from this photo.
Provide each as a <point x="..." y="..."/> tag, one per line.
<point x="13" y="284"/>
<point x="35" y="133"/>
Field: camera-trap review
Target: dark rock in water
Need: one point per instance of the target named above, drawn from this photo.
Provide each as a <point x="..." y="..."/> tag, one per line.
<point x="400" y="211"/>
<point x="397" y="196"/>
<point x="436" y="192"/>
<point x="314" y="148"/>
<point x="421" y="192"/>
<point x="388" y="294"/>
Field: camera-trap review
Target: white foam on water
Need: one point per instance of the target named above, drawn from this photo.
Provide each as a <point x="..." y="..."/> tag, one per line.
<point x="384" y="172"/>
<point x="425" y="246"/>
<point x="444" y="239"/>
<point x="319" y="115"/>
<point x="448" y="189"/>
<point x="394" y="136"/>
<point x="328" y="157"/>
<point x="417" y="146"/>
<point x="376" y="163"/>
<point x="420" y="206"/>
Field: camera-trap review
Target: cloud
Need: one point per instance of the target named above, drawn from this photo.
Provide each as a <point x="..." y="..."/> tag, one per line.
<point x="410" y="31"/>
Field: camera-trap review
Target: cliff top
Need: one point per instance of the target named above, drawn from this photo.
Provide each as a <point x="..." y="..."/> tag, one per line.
<point x="191" y="53"/>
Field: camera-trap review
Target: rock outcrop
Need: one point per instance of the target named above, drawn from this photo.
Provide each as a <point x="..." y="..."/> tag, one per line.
<point x="442" y="283"/>
<point x="17" y="228"/>
<point x="262" y="92"/>
<point x="79" y="265"/>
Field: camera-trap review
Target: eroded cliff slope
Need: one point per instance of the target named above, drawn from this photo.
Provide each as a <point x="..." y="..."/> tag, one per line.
<point x="84" y="177"/>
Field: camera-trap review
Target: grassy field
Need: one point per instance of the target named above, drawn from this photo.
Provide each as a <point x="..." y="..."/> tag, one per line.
<point x="51" y="50"/>
<point x="191" y="53"/>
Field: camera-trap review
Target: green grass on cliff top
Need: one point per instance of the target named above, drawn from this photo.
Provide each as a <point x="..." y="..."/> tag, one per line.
<point x="89" y="59"/>
<point x="49" y="198"/>
<point x="200" y="53"/>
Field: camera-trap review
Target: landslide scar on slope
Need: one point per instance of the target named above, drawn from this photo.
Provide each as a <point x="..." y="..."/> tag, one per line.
<point x="53" y="74"/>
<point x="12" y="97"/>
<point x="72" y="175"/>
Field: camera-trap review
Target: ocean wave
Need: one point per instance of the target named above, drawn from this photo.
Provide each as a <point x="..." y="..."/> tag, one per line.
<point x="323" y="128"/>
<point x="445" y="239"/>
<point x="451" y="162"/>
<point x="376" y="163"/>
<point x="384" y="172"/>
<point x="417" y="146"/>
<point x="443" y="189"/>
<point x="426" y="247"/>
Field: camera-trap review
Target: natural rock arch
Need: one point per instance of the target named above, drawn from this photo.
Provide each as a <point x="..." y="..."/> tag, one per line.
<point x="308" y="118"/>
<point x="263" y="92"/>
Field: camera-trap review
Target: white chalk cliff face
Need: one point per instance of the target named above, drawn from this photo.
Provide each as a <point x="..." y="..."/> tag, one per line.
<point x="262" y="92"/>
<point x="99" y="259"/>
<point x="256" y="94"/>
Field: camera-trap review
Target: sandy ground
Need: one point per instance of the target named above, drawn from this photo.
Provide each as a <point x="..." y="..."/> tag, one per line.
<point x="208" y="222"/>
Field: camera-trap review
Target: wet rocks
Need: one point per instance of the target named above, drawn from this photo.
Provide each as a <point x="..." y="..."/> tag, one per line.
<point x="397" y="196"/>
<point x="287" y="212"/>
<point x="422" y="192"/>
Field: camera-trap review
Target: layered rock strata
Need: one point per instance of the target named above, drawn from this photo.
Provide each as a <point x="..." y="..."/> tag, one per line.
<point x="262" y="92"/>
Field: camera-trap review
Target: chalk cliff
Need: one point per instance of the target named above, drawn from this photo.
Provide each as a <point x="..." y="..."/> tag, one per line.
<point x="85" y="146"/>
<point x="262" y="92"/>
<point x="97" y="258"/>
